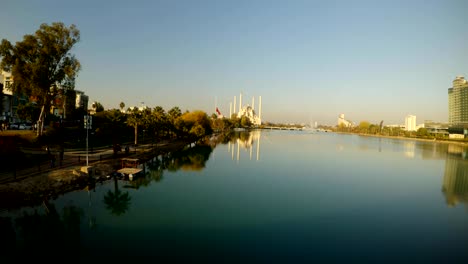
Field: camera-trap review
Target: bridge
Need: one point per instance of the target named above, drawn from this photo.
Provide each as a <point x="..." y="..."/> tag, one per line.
<point x="283" y="128"/>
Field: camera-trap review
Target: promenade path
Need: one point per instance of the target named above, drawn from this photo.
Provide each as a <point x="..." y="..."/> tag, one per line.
<point x="71" y="157"/>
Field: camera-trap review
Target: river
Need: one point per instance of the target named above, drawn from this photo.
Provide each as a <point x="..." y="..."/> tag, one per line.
<point x="263" y="197"/>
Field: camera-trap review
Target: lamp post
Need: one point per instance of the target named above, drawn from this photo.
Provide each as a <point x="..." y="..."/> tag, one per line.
<point x="87" y="120"/>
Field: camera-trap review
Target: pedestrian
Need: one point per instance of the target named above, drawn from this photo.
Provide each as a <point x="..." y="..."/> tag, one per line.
<point x="52" y="161"/>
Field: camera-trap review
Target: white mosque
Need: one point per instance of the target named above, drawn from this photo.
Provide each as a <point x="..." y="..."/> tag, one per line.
<point x="248" y="110"/>
<point x="343" y="122"/>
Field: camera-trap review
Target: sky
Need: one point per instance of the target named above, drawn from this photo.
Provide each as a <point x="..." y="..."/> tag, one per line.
<point x="308" y="60"/>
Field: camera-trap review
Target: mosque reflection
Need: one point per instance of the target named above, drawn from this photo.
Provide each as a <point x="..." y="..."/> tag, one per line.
<point x="245" y="140"/>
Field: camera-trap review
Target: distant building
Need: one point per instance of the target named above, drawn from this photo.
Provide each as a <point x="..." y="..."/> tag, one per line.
<point x="249" y="112"/>
<point x="64" y="102"/>
<point x="343" y="122"/>
<point x="10" y="101"/>
<point x="458" y="103"/>
<point x="436" y="127"/>
<point x="410" y="123"/>
<point x="81" y="100"/>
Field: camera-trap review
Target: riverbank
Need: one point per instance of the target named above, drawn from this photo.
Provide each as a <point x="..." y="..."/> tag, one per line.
<point x="443" y="141"/>
<point x="31" y="191"/>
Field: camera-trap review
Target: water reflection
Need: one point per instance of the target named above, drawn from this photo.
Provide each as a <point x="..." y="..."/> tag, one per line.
<point x="117" y="201"/>
<point x="213" y="213"/>
<point x="245" y="140"/>
<point x="42" y="232"/>
<point x="455" y="183"/>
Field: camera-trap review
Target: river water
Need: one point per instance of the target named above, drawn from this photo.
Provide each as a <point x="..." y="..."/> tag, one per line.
<point x="264" y="197"/>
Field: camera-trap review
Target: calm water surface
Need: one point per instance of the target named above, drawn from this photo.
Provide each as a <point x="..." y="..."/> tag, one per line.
<point x="269" y="196"/>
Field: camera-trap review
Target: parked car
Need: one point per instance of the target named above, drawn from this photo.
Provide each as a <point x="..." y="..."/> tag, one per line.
<point x="14" y="126"/>
<point x="25" y="126"/>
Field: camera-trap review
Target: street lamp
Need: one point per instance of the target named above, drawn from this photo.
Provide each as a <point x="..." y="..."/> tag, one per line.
<point x="88" y="121"/>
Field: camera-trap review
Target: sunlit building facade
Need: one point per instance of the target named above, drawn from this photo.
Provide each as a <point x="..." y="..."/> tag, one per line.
<point x="458" y="103"/>
<point x="410" y="123"/>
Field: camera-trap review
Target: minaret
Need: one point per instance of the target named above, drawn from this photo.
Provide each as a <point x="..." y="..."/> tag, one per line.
<point x="240" y="102"/>
<point x="260" y="108"/>
<point x="230" y="109"/>
<point x="235" y="105"/>
<point x="253" y="102"/>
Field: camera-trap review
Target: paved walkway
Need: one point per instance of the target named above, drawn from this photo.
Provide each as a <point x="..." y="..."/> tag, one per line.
<point x="70" y="158"/>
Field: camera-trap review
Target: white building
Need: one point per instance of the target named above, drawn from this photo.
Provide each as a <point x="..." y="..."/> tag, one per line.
<point x="410" y="123"/>
<point x="343" y="122"/>
<point x="249" y="111"/>
<point x="81" y="100"/>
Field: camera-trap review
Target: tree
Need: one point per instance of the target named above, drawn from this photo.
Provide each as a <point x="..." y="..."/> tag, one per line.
<point x="28" y="111"/>
<point x="364" y="126"/>
<point x="172" y="115"/>
<point x="245" y="121"/>
<point x="42" y="63"/>
<point x="422" y="132"/>
<point x="98" y="107"/>
<point x="133" y="120"/>
<point x="122" y="106"/>
<point x="1" y="97"/>
<point x="194" y="124"/>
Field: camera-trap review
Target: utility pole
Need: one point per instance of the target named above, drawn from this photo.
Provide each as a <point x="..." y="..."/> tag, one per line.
<point x="88" y="120"/>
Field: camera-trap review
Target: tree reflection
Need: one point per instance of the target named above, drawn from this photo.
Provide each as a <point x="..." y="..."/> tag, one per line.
<point x="43" y="234"/>
<point x="193" y="158"/>
<point x="117" y="202"/>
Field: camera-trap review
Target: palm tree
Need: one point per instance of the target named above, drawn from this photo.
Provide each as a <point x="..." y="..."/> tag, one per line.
<point x="122" y="106"/>
<point x="133" y="120"/>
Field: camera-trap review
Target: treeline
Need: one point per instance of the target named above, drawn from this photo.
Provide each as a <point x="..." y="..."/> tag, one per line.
<point x="136" y="126"/>
<point x="366" y="127"/>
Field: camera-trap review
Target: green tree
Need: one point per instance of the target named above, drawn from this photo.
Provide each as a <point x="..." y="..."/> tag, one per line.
<point x="160" y="120"/>
<point x="122" y="106"/>
<point x="98" y="107"/>
<point x="245" y="122"/>
<point x="422" y="132"/>
<point x="28" y="111"/>
<point x="194" y="124"/>
<point x="133" y="120"/>
<point x="42" y="63"/>
<point x="363" y="126"/>
<point x="172" y="115"/>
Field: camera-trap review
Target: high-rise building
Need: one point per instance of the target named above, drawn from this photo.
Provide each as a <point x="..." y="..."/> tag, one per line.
<point x="410" y="123"/>
<point x="458" y="103"/>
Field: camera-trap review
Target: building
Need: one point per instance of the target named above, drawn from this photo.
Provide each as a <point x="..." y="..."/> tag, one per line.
<point x="10" y="101"/>
<point x="64" y="102"/>
<point x="343" y="122"/>
<point x="249" y="111"/>
<point x="81" y="100"/>
<point x="458" y="104"/>
<point x="436" y="127"/>
<point x="410" y="123"/>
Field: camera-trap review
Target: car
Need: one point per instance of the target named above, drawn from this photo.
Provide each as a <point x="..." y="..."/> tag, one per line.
<point x="14" y="126"/>
<point x="25" y="126"/>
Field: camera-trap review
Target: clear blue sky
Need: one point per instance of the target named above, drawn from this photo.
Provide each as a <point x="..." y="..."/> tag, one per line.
<point x="309" y="60"/>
